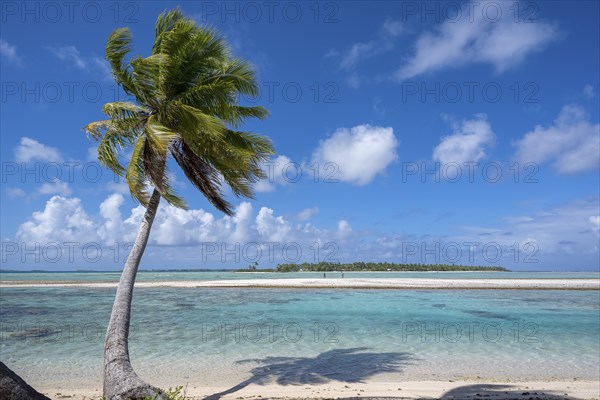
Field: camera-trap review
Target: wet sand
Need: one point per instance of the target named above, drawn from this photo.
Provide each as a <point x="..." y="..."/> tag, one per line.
<point x="340" y="283"/>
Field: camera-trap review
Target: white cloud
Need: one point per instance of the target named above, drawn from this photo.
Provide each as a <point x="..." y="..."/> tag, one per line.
<point x="279" y="171"/>
<point x="174" y="226"/>
<point x="62" y="220"/>
<point x="110" y="209"/>
<point x="271" y="228"/>
<point x="467" y="143"/>
<point x="9" y="52"/>
<point x="32" y="150"/>
<point x="71" y="56"/>
<point x="572" y="144"/>
<point x="344" y="228"/>
<point x="178" y="236"/>
<point x="241" y="222"/>
<point x="56" y="187"/>
<point x="360" y="152"/>
<point x="307" y="213"/>
<point x="502" y="43"/>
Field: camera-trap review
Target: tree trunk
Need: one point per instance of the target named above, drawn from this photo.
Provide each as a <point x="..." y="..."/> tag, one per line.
<point x="120" y="380"/>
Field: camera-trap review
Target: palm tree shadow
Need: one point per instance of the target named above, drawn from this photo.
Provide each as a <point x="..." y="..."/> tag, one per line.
<point x="343" y="365"/>
<point x="496" y="391"/>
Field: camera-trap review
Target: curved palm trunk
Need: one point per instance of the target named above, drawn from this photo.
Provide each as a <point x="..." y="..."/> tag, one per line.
<point x="120" y="380"/>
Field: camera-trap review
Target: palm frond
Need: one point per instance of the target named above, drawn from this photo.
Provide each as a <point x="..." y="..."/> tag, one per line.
<point x="108" y="153"/>
<point x="96" y="129"/>
<point x="240" y="74"/>
<point x="201" y="174"/>
<point x="158" y="139"/>
<point x="124" y="109"/>
<point x="146" y="74"/>
<point x="236" y="115"/>
<point x="164" y="24"/>
<point x="239" y="158"/>
<point x="193" y="123"/>
<point x="117" y="47"/>
<point x="136" y="176"/>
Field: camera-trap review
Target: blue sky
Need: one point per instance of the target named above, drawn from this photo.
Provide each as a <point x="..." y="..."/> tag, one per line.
<point x="375" y="109"/>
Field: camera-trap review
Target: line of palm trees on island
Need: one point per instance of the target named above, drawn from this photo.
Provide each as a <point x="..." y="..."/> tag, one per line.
<point x="380" y="266"/>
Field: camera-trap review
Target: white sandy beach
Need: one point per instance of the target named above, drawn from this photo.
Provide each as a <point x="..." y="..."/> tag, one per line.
<point x="471" y="389"/>
<point x="339" y="283"/>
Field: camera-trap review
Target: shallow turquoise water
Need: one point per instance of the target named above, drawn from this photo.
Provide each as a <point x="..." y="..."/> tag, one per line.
<point x="201" y="275"/>
<point x="224" y="336"/>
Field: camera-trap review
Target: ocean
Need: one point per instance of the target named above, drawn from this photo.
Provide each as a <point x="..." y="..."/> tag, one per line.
<point x="202" y="336"/>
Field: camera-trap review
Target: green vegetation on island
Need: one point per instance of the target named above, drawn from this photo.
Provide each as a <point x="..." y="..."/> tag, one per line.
<point x="384" y="266"/>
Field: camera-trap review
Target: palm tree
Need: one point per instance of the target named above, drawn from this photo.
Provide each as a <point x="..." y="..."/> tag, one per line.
<point x="185" y="104"/>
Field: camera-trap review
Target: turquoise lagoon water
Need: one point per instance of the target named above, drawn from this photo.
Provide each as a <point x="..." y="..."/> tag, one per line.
<point x="224" y="275"/>
<point x="185" y="336"/>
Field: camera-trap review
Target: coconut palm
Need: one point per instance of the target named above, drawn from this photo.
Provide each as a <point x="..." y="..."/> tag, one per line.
<point x="185" y="105"/>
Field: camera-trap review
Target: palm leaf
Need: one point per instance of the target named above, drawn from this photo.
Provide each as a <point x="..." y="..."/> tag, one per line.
<point x="135" y="176"/>
<point x="202" y="175"/>
<point x="119" y="44"/>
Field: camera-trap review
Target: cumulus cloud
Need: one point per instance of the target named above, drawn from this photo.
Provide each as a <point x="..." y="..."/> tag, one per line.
<point x="9" y="52"/>
<point x="279" y="171"/>
<point x="503" y="43"/>
<point x="344" y="228"/>
<point x="467" y="143"/>
<point x="32" y="150"/>
<point x="588" y="91"/>
<point x="179" y="227"/>
<point x="62" y="220"/>
<point x="271" y="228"/>
<point x="178" y="236"/>
<point x="110" y="210"/>
<point x="360" y="153"/>
<point x="571" y="144"/>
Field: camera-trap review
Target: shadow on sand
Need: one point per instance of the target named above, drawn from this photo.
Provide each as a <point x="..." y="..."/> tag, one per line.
<point x="497" y="391"/>
<point x="344" y="365"/>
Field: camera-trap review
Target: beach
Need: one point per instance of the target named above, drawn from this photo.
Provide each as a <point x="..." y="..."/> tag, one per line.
<point x="341" y="283"/>
<point x="472" y="389"/>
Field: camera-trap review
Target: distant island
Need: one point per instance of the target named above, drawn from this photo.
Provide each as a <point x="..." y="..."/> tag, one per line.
<point x="385" y="266"/>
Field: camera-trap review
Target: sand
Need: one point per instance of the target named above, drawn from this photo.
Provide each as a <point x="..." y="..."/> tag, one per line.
<point x="340" y="283"/>
<point x="472" y="389"/>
